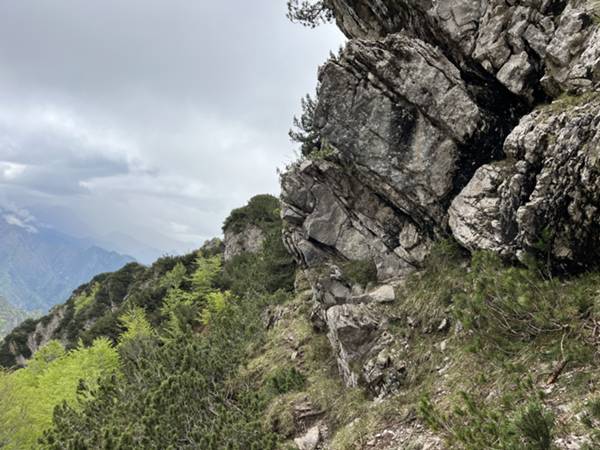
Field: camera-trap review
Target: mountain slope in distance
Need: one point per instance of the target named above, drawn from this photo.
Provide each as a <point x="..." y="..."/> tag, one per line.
<point x="40" y="268"/>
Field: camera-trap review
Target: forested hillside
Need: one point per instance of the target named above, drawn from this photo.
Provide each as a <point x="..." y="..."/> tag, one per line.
<point x="163" y="341"/>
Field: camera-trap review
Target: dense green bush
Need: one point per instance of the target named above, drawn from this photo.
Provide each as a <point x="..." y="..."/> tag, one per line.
<point x="28" y="396"/>
<point x="179" y="393"/>
<point x="261" y="210"/>
<point x="494" y="425"/>
<point x="268" y="271"/>
<point x="507" y="306"/>
<point x="286" y="379"/>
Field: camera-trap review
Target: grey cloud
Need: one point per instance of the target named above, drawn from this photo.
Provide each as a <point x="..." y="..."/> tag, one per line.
<point x="149" y="117"/>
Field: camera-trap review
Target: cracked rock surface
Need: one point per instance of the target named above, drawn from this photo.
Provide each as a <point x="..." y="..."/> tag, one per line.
<point x="477" y="119"/>
<point x="546" y="194"/>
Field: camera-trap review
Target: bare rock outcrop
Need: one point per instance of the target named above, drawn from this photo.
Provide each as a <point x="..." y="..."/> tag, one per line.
<point x="478" y="119"/>
<point x="250" y="239"/>
<point x="545" y="197"/>
<point x="534" y="47"/>
<point x="405" y="132"/>
<point x="329" y="215"/>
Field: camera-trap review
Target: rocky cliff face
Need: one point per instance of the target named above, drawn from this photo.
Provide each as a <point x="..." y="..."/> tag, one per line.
<point x="250" y="239"/>
<point x="478" y="120"/>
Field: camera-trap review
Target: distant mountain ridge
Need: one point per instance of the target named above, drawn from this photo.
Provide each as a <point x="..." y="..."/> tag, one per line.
<point x="10" y="316"/>
<point x="40" y="269"/>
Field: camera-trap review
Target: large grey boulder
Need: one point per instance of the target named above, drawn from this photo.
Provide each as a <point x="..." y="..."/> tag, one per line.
<point x="353" y="333"/>
<point x="545" y="197"/>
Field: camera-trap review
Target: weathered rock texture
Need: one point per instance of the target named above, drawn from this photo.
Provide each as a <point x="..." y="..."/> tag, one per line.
<point x="545" y="196"/>
<point x="250" y="239"/>
<point x="329" y="213"/>
<point x="533" y="47"/>
<point x="473" y="118"/>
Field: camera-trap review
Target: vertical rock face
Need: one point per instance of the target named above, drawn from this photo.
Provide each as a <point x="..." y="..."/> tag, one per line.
<point x="477" y="119"/>
<point x="329" y="215"/>
<point x="402" y="114"/>
<point x="407" y="132"/>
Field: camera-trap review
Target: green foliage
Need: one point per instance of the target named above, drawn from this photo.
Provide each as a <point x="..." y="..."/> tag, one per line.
<point x="475" y="425"/>
<point x="136" y="325"/>
<point x="360" y="272"/>
<point x="29" y="396"/>
<point x="516" y="321"/>
<point x="268" y="271"/>
<point x="216" y="302"/>
<point x="182" y="394"/>
<point x="305" y="131"/>
<point x="98" y="299"/>
<point x="207" y="270"/>
<point x="174" y="277"/>
<point x="286" y="379"/>
<point x="507" y="306"/>
<point x="182" y="339"/>
<point x="185" y="309"/>
<point x="85" y="298"/>
<point x="309" y="13"/>
<point x="326" y="151"/>
<point x="594" y="408"/>
<point x="591" y="420"/>
<point x="261" y="211"/>
<point x="535" y="425"/>
<point x="95" y="309"/>
<point x="429" y="294"/>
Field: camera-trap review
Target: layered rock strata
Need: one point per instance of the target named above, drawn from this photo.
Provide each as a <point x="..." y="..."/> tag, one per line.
<point x="473" y="119"/>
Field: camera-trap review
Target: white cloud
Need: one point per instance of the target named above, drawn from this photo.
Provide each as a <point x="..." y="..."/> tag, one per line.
<point x="20" y="217"/>
<point x="11" y="219"/>
<point x="10" y="171"/>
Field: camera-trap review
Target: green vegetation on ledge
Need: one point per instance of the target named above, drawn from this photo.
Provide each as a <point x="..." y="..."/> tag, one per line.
<point x="261" y="211"/>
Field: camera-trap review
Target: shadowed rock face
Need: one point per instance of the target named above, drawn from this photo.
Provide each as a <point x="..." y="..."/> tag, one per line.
<point x="477" y="119"/>
<point x="545" y="197"/>
<point x="403" y="115"/>
<point x="408" y="133"/>
<point x="330" y="214"/>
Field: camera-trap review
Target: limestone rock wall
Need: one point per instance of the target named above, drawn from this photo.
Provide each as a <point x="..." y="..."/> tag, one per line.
<point x="477" y="119"/>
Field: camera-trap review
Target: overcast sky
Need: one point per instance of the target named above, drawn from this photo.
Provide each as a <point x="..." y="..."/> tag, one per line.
<point x="151" y="118"/>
